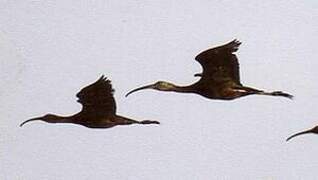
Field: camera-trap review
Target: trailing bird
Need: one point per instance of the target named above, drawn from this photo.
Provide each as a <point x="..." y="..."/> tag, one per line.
<point x="313" y="130"/>
<point x="220" y="78"/>
<point x="98" y="109"/>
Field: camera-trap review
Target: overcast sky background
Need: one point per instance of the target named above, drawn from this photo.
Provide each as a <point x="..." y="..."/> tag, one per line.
<point x="49" y="50"/>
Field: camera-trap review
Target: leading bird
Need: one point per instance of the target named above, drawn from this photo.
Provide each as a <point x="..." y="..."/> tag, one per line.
<point x="98" y="111"/>
<point x="220" y="78"/>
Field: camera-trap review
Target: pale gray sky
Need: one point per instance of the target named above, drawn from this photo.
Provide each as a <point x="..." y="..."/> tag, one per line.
<point x="49" y="50"/>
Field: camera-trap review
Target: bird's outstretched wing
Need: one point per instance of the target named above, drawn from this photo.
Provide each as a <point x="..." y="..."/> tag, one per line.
<point x="220" y="64"/>
<point x="97" y="98"/>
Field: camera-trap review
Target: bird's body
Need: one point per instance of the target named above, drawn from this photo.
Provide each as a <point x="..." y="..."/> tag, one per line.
<point x="99" y="109"/>
<point x="220" y="78"/>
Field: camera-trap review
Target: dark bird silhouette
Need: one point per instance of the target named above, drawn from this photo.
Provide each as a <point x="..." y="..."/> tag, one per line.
<point x="220" y="78"/>
<point x="98" y="111"/>
<point x="313" y="130"/>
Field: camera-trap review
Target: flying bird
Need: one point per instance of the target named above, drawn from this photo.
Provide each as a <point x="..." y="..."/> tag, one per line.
<point x="220" y="78"/>
<point x="313" y="130"/>
<point x="98" y="109"/>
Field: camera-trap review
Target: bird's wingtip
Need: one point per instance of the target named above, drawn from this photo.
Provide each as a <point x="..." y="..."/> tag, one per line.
<point x="102" y="78"/>
<point x="236" y="41"/>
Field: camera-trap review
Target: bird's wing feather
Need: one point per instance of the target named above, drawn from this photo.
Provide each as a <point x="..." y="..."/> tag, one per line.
<point x="220" y="64"/>
<point x="98" y="98"/>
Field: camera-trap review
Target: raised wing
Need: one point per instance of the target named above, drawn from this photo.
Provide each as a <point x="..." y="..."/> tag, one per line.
<point x="98" y="98"/>
<point x="220" y="64"/>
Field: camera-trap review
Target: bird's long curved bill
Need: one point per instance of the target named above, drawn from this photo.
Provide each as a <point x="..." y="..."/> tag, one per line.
<point x="29" y="120"/>
<point x="300" y="133"/>
<point x="151" y="86"/>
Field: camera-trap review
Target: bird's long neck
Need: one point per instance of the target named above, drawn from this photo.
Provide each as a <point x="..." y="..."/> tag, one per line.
<point x="64" y="119"/>
<point x="181" y="89"/>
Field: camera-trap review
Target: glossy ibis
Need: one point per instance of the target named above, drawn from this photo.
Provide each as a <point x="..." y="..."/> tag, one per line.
<point x="98" y="109"/>
<point x="220" y="77"/>
<point x="313" y="130"/>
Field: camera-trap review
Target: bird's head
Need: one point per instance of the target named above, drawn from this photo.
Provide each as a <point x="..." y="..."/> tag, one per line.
<point x="163" y="86"/>
<point x="50" y="118"/>
<point x="313" y="130"/>
<point x="160" y="86"/>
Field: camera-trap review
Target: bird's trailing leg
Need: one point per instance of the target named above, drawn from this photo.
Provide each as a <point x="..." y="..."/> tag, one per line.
<point x="142" y="122"/>
<point x="249" y="91"/>
<point x="127" y="121"/>
<point x="149" y="122"/>
<point x="276" y="93"/>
